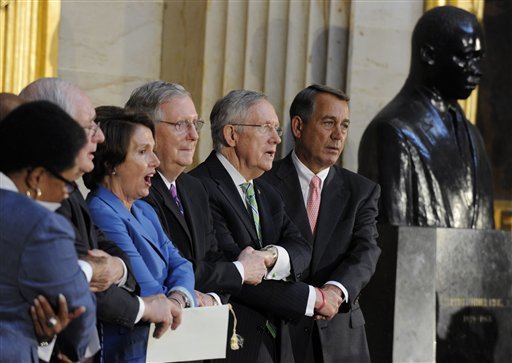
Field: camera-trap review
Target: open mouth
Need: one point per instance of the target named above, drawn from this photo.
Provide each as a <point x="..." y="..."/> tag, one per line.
<point x="147" y="179"/>
<point x="270" y="153"/>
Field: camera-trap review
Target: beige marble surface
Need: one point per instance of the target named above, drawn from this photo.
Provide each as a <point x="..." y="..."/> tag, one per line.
<point x="110" y="47"/>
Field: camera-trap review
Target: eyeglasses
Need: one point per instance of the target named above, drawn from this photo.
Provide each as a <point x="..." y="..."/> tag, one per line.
<point x="92" y="130"/>
<point x="69" y="185"/>
<point x="183" y="126"/>
<point x="265" y="128"/>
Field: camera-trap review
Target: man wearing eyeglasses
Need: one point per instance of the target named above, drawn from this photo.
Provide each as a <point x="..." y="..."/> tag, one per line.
<point x="181" y="201"/>
<point x="105" y="265"/>
<point x="336" y="212"/>
<point x="249" y="212"/>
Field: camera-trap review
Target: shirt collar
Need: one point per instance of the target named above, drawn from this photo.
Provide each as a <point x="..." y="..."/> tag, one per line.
<point x="6" y="183"/>
<point x="167" y="182"/>
<point x="305" y="174"/>
<point x="233" y="173"/>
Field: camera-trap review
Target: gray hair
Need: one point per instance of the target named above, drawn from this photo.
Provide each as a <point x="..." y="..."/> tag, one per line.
<point x="231" y="108"/>
<point x="149" y="97"/>
<point x="55" y="90"/>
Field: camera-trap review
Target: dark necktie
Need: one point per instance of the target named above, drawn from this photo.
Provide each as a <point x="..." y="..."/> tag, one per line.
<point x="174" y="195"/>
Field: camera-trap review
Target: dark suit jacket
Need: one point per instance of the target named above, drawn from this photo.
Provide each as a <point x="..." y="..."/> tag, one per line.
<point x="115" y="305"/>
<point x="193" y="233"/>
<point x="270" y="300"/>
<point x="344" y="250"/>
<point x="38" y="257"/>
<point x="412" y="150"/>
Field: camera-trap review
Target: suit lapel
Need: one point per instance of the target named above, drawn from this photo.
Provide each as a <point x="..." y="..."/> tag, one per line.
<point x="188" y="203"/>
<point x="113" y="201"/>
<point x="230" y="192"/>
<point x="292" y="195"/>
<point x="333" y="204"/>
<point x="170" y="204"/>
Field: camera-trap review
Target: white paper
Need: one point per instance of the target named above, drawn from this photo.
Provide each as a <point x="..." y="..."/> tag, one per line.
<point x="201" y="335"/>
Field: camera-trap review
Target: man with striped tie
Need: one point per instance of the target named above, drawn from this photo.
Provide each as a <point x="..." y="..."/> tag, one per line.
<point x="336" y="212"/>
<point x="181" y="201"/>
<point x="249" y="212"/>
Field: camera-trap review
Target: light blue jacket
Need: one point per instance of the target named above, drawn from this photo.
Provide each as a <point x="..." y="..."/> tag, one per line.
<point x="157" y="265"/>
<point x="38" y="257"/>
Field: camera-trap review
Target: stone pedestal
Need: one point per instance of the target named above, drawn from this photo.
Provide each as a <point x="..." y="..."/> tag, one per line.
<point x="440" y="295"/>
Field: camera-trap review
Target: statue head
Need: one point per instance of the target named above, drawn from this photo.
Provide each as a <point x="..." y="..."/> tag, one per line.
<point x="447" y="49"/>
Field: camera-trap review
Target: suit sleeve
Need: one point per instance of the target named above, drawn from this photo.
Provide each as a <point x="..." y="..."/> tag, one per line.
<point x="44" y="260"/>
<point x="215" y="273"/>
<point x="395" y="179"/>
<point x="114" y="228"/>
<point x="287" y="300"/>
<point x="360" y="261"/>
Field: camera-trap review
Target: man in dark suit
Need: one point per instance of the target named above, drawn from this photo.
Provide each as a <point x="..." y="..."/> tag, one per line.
<point x="248" y="212"/>
<point x="105" y="265"/>
<point x="428" y="158"/>
<point x="336" y="211"/>
<point x="185" y="215"/>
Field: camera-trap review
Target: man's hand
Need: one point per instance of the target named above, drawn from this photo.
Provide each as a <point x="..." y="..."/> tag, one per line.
<point x="47" y="323"/>
<point x="204" y="299"/>
<point x="333" y="301"/>
<point x="254" y="265"/>
<point x="106" y="269"/>
<point x="158" y="310"/>
<point x="176" y="308"/>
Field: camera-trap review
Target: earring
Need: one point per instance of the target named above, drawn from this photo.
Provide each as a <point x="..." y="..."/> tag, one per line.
<point x="28" y="193"/>
<point x="114" y="172"/>
<point x="38" y="193"/>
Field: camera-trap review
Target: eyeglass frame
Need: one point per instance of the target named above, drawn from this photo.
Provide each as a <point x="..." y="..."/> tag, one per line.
<point x="69" y="185"/>
<point x="264" y="127"/>
<point x="93" y="128"/>
<point x="198" y="125"/>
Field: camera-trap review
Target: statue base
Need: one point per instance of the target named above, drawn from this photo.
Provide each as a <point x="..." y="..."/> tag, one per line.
<point x="440" y="295"/>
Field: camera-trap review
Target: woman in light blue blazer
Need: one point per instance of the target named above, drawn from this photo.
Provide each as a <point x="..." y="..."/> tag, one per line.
<point x="123" y="167"/>
<point x="39" y="144"/>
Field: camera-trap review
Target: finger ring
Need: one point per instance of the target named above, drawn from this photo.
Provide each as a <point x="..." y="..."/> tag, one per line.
<point x="51" y="322"/>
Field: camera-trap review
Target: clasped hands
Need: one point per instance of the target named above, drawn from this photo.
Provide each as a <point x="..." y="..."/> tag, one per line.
<point x="328" y="301"/>
<point x="256" y="264"/>
<point x="107" y="269"/>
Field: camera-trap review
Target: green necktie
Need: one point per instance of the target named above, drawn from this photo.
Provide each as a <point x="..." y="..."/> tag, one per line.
<point x="250" y="198"/>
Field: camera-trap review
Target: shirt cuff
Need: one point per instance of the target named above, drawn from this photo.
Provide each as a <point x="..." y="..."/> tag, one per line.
<point x="240" y="267"/>
<point x="310" y="307"/>
<point x="282" y="267"/>
<point x="86" y="269"/>
<point x="122" y="281"/>
<point x="342" y="288"/>
<point x="142" y="308"/>
<point x="216" y="297"/>
<point x="45" y="353"/>
<point x="184" y="291"/>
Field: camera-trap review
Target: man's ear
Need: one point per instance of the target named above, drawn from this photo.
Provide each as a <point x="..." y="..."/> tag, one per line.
<point x="230" y="135"/>
<point x="297" y="125"/>
<point x="427" y="54"/>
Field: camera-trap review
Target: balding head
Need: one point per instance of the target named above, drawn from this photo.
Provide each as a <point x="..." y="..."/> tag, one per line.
<point x="8" y="102"/>
<point x="76" y="103"/>
<point x="64" y="94"/>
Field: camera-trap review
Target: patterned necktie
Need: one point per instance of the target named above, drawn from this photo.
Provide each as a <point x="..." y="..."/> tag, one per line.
<point x="174" y="195"/>
<point x="313" y="204"/>
<point x="250" y="199"/>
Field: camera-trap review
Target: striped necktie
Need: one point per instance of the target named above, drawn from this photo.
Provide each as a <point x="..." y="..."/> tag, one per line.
<point x="174" y="195"/>
<point x="250" y="199"/>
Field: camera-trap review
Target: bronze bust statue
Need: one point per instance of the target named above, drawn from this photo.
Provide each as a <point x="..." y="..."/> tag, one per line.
<point x="428" y="158"/>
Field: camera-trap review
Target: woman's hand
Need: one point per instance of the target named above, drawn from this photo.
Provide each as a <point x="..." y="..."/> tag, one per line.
<point x="47" y="323"/>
